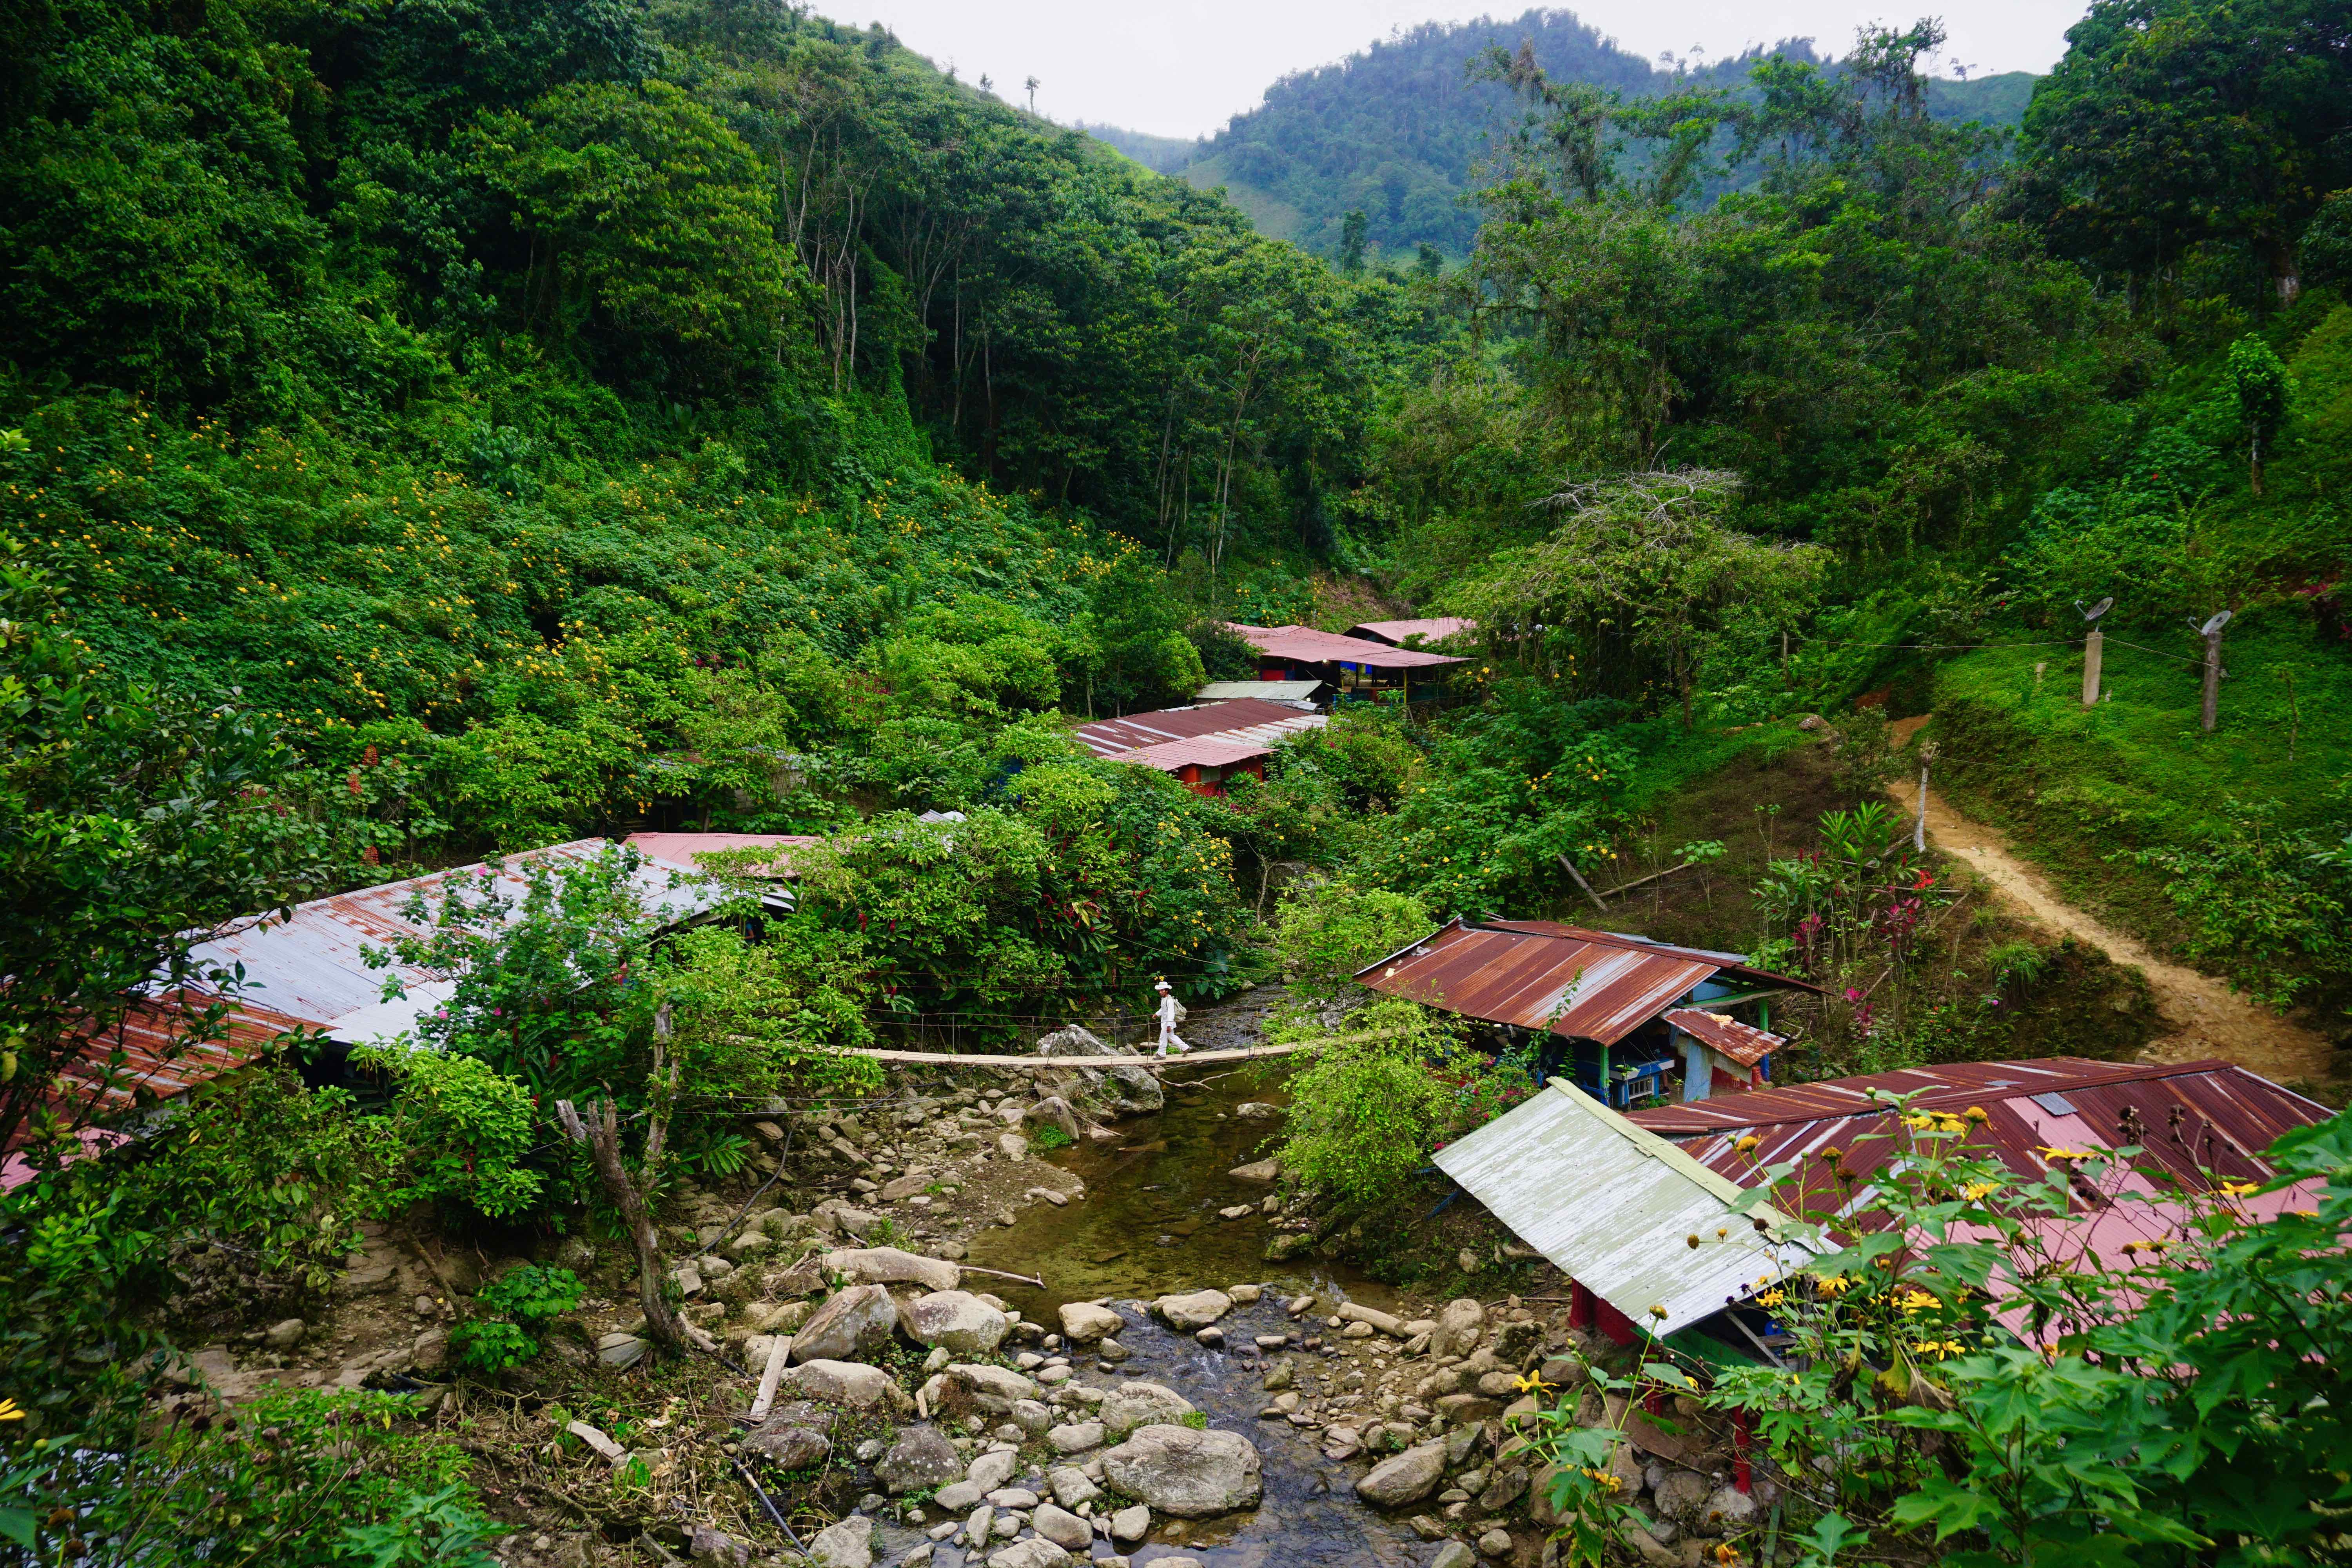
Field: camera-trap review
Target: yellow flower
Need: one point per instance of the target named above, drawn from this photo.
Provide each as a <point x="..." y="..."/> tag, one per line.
<point x="1977" y="1113"/>
<point x="1975" y="1191"/>
<point x="1835" y="1285"/>
<point x="1770" y="1298"/>
<point x="1915" y="1300"/>
<point x="1939" y="1349"/>
<point x="1748" y="1145"/>
<point x="1726" y="1554"/>
<point x="1532" y="1383"/>
<point x="1659" y="1313"/>
<point x="2238" y="1189"/>
<point x="10" y="1411"/>
<point x="2053" y="1154"/>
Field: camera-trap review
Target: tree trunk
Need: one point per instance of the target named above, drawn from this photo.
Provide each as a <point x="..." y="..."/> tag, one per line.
<point x="601" y="1130"/>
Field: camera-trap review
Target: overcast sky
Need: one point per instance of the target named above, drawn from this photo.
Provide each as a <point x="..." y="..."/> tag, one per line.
<point x="1183" y="67"/>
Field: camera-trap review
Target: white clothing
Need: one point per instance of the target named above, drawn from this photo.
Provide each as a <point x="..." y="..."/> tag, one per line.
<point x="1168" y="1006"/>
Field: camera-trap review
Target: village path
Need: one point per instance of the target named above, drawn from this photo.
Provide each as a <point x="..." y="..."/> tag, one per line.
<point x="2205" y="1017"/>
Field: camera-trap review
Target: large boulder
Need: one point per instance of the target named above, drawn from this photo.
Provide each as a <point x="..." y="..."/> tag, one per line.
<point x="1136" y="1403"/>
<point x="848" y="1383"/>
<point x="786" y="1445"/>
<point x="920" y="1459"/>
<point x="1054" y="1111"/>
<point x="1194" y="1311"/>
<point x="848" y="1544"/>
<point x="1403" y="1478"/>
<point x="1132" y="1089"/>
<point x="857" y="1323"/>
<point x="956" y="1320"/>
<point x="1458" y="1327"/>
<point x="890" y="1265"/>
<point x="1188" y="1473"/>
<point x="1083" y="1323"/>
<point x="1035" y="1553"/>
<point x="1064" y="1528"/>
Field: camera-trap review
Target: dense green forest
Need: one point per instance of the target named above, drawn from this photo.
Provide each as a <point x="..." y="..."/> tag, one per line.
<point x="432" y="430"/>
<point x="1397" y="131"/>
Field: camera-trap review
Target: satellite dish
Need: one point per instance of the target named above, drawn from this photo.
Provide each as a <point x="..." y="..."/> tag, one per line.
<point x="2095" y="611"/>
<point x="2216" y="624"/>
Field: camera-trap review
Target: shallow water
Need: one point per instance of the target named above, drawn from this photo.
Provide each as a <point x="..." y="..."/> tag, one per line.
<point x="1148" y="1226"/>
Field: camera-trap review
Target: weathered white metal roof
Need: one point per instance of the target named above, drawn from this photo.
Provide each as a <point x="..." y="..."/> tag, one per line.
<point x="1614" y="1206"/>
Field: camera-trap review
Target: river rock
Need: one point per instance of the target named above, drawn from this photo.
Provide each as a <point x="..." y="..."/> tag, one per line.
<point x="1385" y="1323"/>
<point x="1130" y="1523"/>
<point x="1071" y="1486"/>
<point x="1190" y="1474"/>
<point x="954" y="1320"/>
<point x="1257" y="1111"/>
<point x="990" y="1472"/>
<point x="906" y="1186"/>
<point x="1136" y="1404"/>
<point x="787" y="1446"/>
<point x="1404" y="1479"/>
<point x="1727" y="1511"/>
<point x="991" y="1390"/>
<point x="920" y="1459"/>
<point x="1680" y="1495"/>
<point x="1066" y="1531"/>
<point x="1453" y="1554"/>
<point x="1083" y="1323"/>
<point x="285" y="1335"/>
<point x="848" y="1544"/>
<point x="855" y="1323"/>
<point x="1129" y="1089"/>
<point x="1013" y="1146"/>
<point x="704" y="1544"/>
<point x="1458" y="1327"/>
<point x="621" y="1352"/>
<point x="1194" y="1311"/>
<point x="855" y="1222"/>
<point x="890" y="1265"/>
<point x="1263" y="1170"/>
<point x="849" y="1382"/>
<point x="1075" y="1437"/>
<point x="1035" y="1553"/>
<point x="1054" y="1111"/>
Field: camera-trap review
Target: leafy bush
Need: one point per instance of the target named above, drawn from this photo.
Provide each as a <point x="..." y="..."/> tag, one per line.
<point x="460" y="1130"/>
<point x="2272" y="908"/>
<point x="509" y="1311"/>
<point x="1326" y="930"/>
<point x="1364" y="1117"/>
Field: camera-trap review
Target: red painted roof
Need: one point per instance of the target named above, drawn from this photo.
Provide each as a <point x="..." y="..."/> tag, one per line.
<point x="1206" y="752"/>
<point x="1246" y="717"/>
<point x="1743" y="1043"/>
<point x="1307" y="645"/>
<point x="2193" y="1116"/>
<point x="1429" y="629"/>
<point x="1536" y="974"/>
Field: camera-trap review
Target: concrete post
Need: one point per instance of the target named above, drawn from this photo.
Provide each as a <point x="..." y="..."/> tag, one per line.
<point x="2212" y="678"/>
<point x="2093" y="649"/>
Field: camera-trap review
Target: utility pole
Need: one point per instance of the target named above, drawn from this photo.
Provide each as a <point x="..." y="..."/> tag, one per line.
<point x="2211" y="632"/>
<point x="1920" y="828"/>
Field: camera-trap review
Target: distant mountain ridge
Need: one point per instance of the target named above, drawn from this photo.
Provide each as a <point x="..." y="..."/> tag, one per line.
<point x="1394" y="129"/>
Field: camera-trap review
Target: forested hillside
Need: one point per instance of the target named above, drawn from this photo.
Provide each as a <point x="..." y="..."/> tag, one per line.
<point x="435" y="430"/>
<point x="1397" y="131"/>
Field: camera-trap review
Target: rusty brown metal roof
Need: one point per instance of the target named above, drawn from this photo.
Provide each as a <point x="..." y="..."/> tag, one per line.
<point x="2194" y="1117"/>
<point x="1305" y="644"/>
<point x="1537" y="975"/>
<point x="1207" y="752"/>
<point x="1743" y="1043"/>
<point x="1245" y="718"/>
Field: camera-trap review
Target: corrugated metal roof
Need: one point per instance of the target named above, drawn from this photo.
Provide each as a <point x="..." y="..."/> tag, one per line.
<point x="312" y="965"/>
<point x="1743" y="1043"/>
<point x="1307" y="645"/>
<point x="679" y="849"/>
<point x="1430" y="628"/>
<point x="2193" y="1116"/>
<point x="1537" y="974"/>
<point x="1613" y="1207"/>
<point x="1290" y="693"/>
<point x="1245" y="718"/>
<point x="1207" y="752"/>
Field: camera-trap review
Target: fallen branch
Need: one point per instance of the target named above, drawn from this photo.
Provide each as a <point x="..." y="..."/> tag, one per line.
<point x="1645" y="881"/>
<point x="999" y="1274"/>
<point x="1570" y="867"/>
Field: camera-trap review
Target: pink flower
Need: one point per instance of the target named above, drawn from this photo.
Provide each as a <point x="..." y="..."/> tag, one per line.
<point x="1851" y="994"/>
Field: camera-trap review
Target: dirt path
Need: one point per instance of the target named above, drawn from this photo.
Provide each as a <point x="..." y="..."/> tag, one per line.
<point x="2207" y="1018"/>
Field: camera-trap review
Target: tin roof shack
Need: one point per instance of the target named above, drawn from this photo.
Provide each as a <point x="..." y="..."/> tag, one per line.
<point x="1613" y="1206"/>
<point x="1302" y="653"/>
<point x="1609" y="998"/>
<point x="1203" y="745"/>
<point x="2200" y="1122"/>
<point x="1429" y="629"/>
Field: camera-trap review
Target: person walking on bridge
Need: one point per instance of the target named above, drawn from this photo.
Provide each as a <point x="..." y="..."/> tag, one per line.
<point x="1169" y="1010"/>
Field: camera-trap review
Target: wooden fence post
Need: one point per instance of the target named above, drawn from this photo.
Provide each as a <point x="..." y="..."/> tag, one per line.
<point x="2211" y="632"/>
<point x="2094" y="650"/>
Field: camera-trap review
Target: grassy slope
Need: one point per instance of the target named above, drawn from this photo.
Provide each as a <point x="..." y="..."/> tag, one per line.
<point x="2074" y="786"/>
<point x="1269" y="214"/>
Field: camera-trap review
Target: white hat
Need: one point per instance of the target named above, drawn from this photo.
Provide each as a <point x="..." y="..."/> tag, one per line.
<point x="1165" y="986"/>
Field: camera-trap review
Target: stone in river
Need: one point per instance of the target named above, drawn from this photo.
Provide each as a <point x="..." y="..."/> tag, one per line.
<point x="919" y="1460"/>
<point x="1138" y="1404"/>
<point x="1083" y="1323"/>
<point x="1196" y="1310"/>
<point x="1405" y="1479"/>
<point x="1190" y="1473"/>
